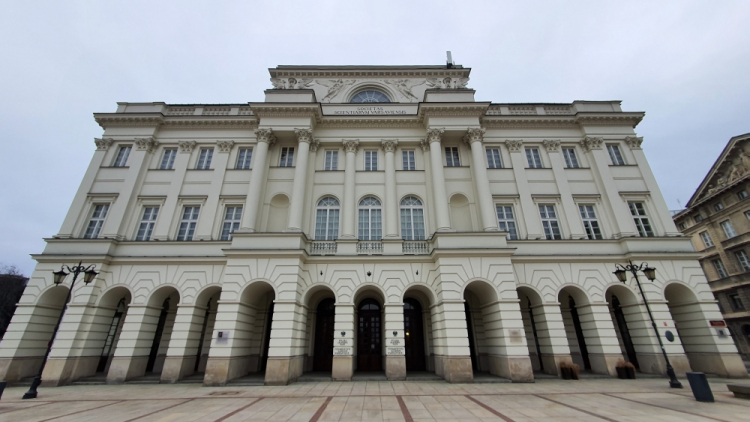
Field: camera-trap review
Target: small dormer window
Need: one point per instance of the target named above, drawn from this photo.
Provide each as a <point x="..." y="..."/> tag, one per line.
<point x="370" y="96"/>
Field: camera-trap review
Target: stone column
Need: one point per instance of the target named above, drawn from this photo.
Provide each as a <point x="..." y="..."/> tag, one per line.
<point x="391" y="201"/>
<point x="572" y="213"/>
<point x="286" y="352"/>
<point x="297" y="204"/>
<point x="452" y="355"/>
<point x="131" y="354"/>
<point x="528" y="208"/>
<point x="434" y="137"/>
<point x="553" y="340"/>
<point x="393" y="342"/>
<point x="167" y="212"/>
<point x="265" y="139"/>
<point x="506" y="341"/>
<point x="207" y="214"/>
<point x="343" y="343"/>
<point x="231" y="356"/>
<point x="601" y="339"/>
<point x="474" y="138"/>
<point x="183" y="344"/>
<point x="349" y="203"/>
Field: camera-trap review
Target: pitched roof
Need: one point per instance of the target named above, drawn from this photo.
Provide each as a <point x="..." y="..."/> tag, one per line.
<point x="732" y="166"/>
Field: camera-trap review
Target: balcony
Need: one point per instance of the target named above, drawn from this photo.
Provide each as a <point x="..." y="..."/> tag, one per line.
<point x="369" y="248"/>
<point x="416" y="247"/>
<point x="323" y="247"/>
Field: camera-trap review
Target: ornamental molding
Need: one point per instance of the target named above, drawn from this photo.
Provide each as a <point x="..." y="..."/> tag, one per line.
<point x="107" y="120"/>
<point x="264" y="110"/>
<point x="634" y="142"/>
<point x="424" y="144"/>
<point x="186" y="146"/>
<point x="351" y="145"/>
<point x="389" y="145"/>
<point x="225" y="146"/>
<point x="219" y="122"/>
<point x="435" y="135"/>
<point x="299" y="73"/>
<point x="514" y="145"/>
<point x="103" y="144"/>
<point x="474" y="134"/>
<point x="265" y="135"/>
<point x="590" y="143"/>
<point x="303" y="135"/>
<point x="531" y="122"/>
<point x="609" y="119"/>
<point x="452" y="110"/>
<point x="551" y="145"/>
<point x="148" y="144"/>
<point x="314" y="145"/>
<point x="377" y="122"/>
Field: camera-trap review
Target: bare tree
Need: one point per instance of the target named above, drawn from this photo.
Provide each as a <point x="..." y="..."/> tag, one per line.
<point x="12" y="284"/>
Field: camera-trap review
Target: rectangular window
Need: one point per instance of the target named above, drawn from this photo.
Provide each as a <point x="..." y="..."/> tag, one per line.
<point x="96" y="222"/>
<point x="718" y="206"/>
<point x="493" y="158"/>
<point x="590" y="223"/>
<point x="371" y="161"/>
<point x="615" y="155"/>
<point x="706" y="239"/>
<point x="728" y="229"/>
<point x="167" y="160"/>
<point x="122" y="157"/>
<point x="451" y="157"/>
<point x="244" y="157"/>
<point x="506" y="221"/>
<point x="188" y="223"/>
<point x="638" y="211"/>
<point x="698" y="218"/>
<point x="743" y="260"/>
<point x="718" y="302"/>
<point x="204" y="159"/>
<point x="736" y="302"/>
<point x="681" y="226"/>
<point x="332" y="161"/>
<point x="408" y="160"/>
<point x="742" y="195"/>
<point x="232" y="219"/>
<point x="146" y="228"/>
<point x="719" y="266"/>
<point x="571" y="161"/>
<point x="549" y="222"/>
<point x="287" y="157"/>
<point x="533" y="158"/>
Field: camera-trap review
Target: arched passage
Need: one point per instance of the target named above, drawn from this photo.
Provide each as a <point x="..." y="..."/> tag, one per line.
<point x="529" y="299"/>
<point x="320" y="305"/>
<point x="257" y="319"/>
<point x="482" y="340"/>
<point x="207" y="303"/>
<point x="571" y="299"/>
<point x="111" y="311"/>
<point x="418" y="331"/>
<point x="626" y="315"/>
<point x="165" y="300"/>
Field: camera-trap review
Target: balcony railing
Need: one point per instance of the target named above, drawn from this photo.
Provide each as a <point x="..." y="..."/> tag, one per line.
<point x="418" y="247"/>
<point x="323" y="247"/>
<point x="369" y="248"/>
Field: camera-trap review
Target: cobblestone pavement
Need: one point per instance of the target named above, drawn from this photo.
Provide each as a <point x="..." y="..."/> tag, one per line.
<point x="545" y="400"/>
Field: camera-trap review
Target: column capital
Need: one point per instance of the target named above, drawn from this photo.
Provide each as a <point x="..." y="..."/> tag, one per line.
<point x="225" y="146"/>
<point x="389" y="145"/>
<point x="590" y="143"/>
<point x="265" y="135"/>
<point x="435" y="135"/>
<point x="514" y="145"/>
<point x="103" y="144"/>
<point x="314" y="144"/>
<point x="634" y="142"/>
<point x="148" y="144"/>
<point x="474" y="134"/>
<point x="351" y="145"/>
<point x="551" y="145"/>
<point x="186" y="146"/>
<point x="303" y="135"/>
<point x="424" y="144"/>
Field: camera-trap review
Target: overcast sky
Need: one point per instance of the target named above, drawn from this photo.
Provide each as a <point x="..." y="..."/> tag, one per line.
<point x="686" y="64"/>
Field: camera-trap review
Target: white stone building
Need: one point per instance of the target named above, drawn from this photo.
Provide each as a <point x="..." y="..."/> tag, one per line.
<point x="365" y="218"/>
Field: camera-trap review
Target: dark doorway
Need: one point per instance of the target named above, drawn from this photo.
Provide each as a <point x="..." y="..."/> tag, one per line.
<point x="323" y="359"/>
<point x="414" y="335"/>
<point x="203" y="337"/>
<point x="536" y="338"/>
<point x="579" y="333"/>
<point x="622" y="325"/>
<point x="109" y="341"/>
<point x="157" y="336"/>
<point x="267" y="340"/>
<point x="369" y="352"/>
<point x="470" y="331"/>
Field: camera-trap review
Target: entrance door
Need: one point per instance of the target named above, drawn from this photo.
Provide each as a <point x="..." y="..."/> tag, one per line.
<point x="579" y="333"/>
<point x="323" y="359"/>
<point x="624" y="333"/>
<point x="414" y="336"/>
<point x="157" y="337"/>
<point x="368" y="337"/>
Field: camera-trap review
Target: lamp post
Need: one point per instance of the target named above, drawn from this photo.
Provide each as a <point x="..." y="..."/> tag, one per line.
<point x="88" y="276"/>
<point x="650" y="273"/>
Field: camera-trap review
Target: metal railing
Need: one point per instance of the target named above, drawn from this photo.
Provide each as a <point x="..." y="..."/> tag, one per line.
<point x="323" y="247"/>
<point x="369" y="248"/>
<point x="416" y="247"/>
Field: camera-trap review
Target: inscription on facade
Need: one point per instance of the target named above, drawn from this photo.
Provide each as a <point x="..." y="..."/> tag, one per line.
<point x="365" y="110"/>
<point x="395" y="351"/>
<point x="395" y="342"/>
<point x="343" y="342"/>
<point x="341" y="351"/>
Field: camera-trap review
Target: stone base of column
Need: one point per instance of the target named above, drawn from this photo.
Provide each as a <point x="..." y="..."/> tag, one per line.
<point x="395" y="368"/>
<point x="552" y="363"/>
<point x="283" y="370"/>
<point x="515" y="368"/>
<point x="219" y="370"/>
<point x="177" y="368"/>
<point x="457" y="369"/>
<point x="343" y="368"/>
<point x="58" y="372"/>
<point x="604" y="364"/>
<point x="721" y="364"/>
<point x="653" y="363"/>
<point x="124" y="368"/>
<point x="13" y="369"/>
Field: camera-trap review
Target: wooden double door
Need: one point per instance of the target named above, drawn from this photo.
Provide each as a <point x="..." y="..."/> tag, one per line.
<point x="414" y="336"/>
<point x="369" y="343"/>
<point x="326" y="316"/>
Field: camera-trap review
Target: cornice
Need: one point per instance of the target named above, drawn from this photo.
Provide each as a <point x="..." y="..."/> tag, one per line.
<point x="371" y="122"/>
<point x="452" y="109"/>
<point x="368" y="73"/>
<point x="524" y="122"/>
<point x="609" y="119"/>
<point x="296" y="110"/>
<point x="106" y="120"/>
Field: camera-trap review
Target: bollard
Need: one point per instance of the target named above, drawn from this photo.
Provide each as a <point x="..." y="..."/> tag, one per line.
<point x="699" y="385"/>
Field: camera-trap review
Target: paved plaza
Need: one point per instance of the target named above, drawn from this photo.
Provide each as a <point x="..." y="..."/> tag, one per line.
<point x="545" y="400"/>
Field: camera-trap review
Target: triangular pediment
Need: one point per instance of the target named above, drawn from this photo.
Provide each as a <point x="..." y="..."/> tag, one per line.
<point x="732" y="166"/>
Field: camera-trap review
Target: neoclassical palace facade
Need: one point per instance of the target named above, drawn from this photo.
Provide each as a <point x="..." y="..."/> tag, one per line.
<point x="366" y="218"/>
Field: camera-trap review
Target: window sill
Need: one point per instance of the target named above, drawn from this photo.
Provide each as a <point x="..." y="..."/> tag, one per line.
<point x="240" y="169"/>
<point x="114" y="167"/>
<point x="200" y="169"/>
<point x="281" y="167"/>
<point x="161" y="169"/>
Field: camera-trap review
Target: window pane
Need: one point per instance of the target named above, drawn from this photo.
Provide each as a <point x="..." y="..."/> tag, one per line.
<point x="167" y="160"/>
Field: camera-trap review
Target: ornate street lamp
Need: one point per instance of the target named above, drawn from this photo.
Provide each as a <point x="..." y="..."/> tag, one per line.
<point x="88" y="276"/>
<point x="622" y="274"/>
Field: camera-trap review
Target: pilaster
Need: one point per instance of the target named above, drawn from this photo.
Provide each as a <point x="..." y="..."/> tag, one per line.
<point x="553" y="340"/>
<point x="343" y="343"/>
<point x="434" y="137"/>
<point x="393" y="342"/>
<point x="183" y="344"/>
<point x="296" y="206"/>
<point x="528" y="208"/>
<point x="474" y="137"/>
<point x="349" y="204"/>
<point x="391" y="203"/>
<point x="167" y="213"/>
<point x="265" y="138"/>
<point x="566" y="196"/>
<point x="207" y="215"/>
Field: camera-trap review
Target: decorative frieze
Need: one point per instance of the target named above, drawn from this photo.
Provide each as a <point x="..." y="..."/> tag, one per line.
<point x="634" y="142"/>
<point x="147" y="144"/>
<point x="225" y="146"/>
<point x="351" y="145"/>
<point x="474" y="134"/>
<point x="435" y="135"/>
<point x="590" y="143"/>
<point x="103" y="144"/>
<point x="265" y="135"/>
<point x="389" y="145"/>
<point x="551" y="145"/>
<point x="514" y="145"/>
<point x="186" y="146"/>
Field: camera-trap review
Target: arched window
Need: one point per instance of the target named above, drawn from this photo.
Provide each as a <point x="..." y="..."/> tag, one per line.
<point x="327" y="219"/>
<point x="370" y="220"/>
<point x="412" y="219"/>
<point x="370" y="96"/>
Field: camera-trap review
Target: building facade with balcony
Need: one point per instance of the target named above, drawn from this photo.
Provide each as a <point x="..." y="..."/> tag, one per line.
<point x="717" y="220"/>
<point x="365" y="218"/>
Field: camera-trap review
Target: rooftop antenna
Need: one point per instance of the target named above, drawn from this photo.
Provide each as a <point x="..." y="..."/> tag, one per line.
<point x="450" y="59"/>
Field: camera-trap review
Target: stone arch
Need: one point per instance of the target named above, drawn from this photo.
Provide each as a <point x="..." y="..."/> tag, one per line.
<point x="369" y="290"/>
<point x="278" y="213"/>
<point x="111" y="296"/>
<point x="53" y="296"/>
<point x="206" y="293"/>
<point x="532" y="314"/>
<point x="110" y="313"/>
<point x="460" y="210"/>
<point x="421" y="344"/>
<point x="369" y="194"/>
<point x="485" y="290"/>
<point x="530" y="292"/>
<point x="627" y="316"/>
<point x="483" y="337"/>
<point x="319" y="328"/>
<point x="580" y="296"/>
<point x="254" y="289"/>
<point x="572" y="298"/>
<point x="161" y="293"/>
<point x="425" y="294"/>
